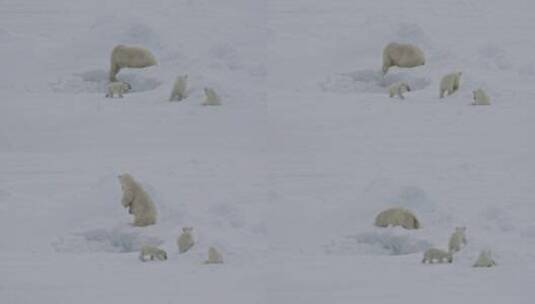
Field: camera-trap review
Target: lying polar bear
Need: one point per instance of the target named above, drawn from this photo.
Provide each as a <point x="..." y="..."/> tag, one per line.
<point x="397" y="217"/>
<point x="214" y="256"/>
<point x="123" y="56"/>
<point x="480" y="98"/>
<point x="212" y="99"/>
<point x="485" y="259"/>
<point x="450" y="84"/>
<point x="137" y="201"/>
<point x="402" y="55"/>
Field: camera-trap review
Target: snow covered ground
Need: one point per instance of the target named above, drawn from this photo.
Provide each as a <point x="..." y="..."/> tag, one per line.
<point x="287" y="176"/>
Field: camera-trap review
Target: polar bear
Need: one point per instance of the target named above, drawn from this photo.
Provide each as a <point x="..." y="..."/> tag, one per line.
<point x="149" y="252"/>
<point x="117" y="88"/>
<point x="457" y="239"/>
<point x="137" y="201"/>
<point x="179" y="88"/>
<point x="480" y="98"/>
<point x="214" y="256"/>
<point x="450" y="83"/>
<point x="402" y="55"/>
<point x="398" y="89"/>
<point x="212" y="99"/>
<point x="433" y="254"/>
<point x="397" y="217"/>
<point x="123" y="56"/>
<point x="185" y="240"/>
<point x="485" y="259"/>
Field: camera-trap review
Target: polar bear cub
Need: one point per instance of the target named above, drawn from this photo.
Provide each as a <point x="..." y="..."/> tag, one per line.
<point x="397" y="89"/>
<point x="480" y="98"/>
<point x="123" y="56"/>
<point x="485" y="259"/>
<point x="212" y="99"/>
<point x="214" y="256"/>
<point x="117" y="88"/>
<point x="433" y="254"/>
<point x="397" y="217"/>
<point x="179" y="88"/>
<point x="185" y="240"/>
<point x="457" y="239"/>
<point x="151" y="253"/>
<point x="450" y="84"/>
<point x="137" y="201"/>
<point x="402" y="55"/>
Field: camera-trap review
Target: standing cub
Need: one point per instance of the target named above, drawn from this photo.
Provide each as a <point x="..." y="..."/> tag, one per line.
<point x="179" y="88"/>
<point x="185" y="240"/>
<point x="398" y="89"/>
<point x="433" y="254"/>
<point x="117" y="88"/>
<point x="457" y="239"/>
<point x="151" y="253"/>
<point x="450" y="84"/>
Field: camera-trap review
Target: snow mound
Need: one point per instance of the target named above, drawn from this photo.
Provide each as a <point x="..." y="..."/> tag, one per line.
<point x="96" y="81"/>
<point x="494" y="57"/>
<point x="129" y="30"/>
<point x="386" y="241"/>
<point x="389" y="243"/>
<point x="410" y="33"/>
<point x="102" y="240"/>
<point x="371" y="81"/>
<point x="413" y="198"/>
<point x="498" y="217"/>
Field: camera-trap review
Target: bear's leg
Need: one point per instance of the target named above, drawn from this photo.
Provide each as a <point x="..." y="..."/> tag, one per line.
<point x="114" y="70"/>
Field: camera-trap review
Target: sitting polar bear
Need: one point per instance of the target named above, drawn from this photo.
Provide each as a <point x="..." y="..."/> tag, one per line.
<point x="117" y="88"/>
<point x="457" y="239"/>
<point x="151" y="253"/>
<point x="485" y="259"/>
<point x="214" y="256"/>
<point x="137" y="201"/>
<point x="212" y="99"/>
<point x="185" y="240"/>
<point x="450" y="84"/>
<point x="480" y="98"/>
<point x="433" y="254"/>
<point x="397" y="217"/>
<point x="179" y="88"/>
<point x="402" y="55"/>
<point x="398" y="89"/>
<point x="123" y="56"/>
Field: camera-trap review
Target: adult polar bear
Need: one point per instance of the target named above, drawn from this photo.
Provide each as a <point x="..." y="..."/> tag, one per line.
<point x="137" y="201"/>
<point x="402" y="55"/>
<point x="123" y="56"/>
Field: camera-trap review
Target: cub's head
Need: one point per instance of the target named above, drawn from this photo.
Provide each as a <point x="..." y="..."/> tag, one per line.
<point x="125" y="179"/>
<point x="126" y="87"/>
<point x="187" y="229"/>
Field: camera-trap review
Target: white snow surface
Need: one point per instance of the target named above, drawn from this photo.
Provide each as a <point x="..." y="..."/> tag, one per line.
<point x="287" y="176"/>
